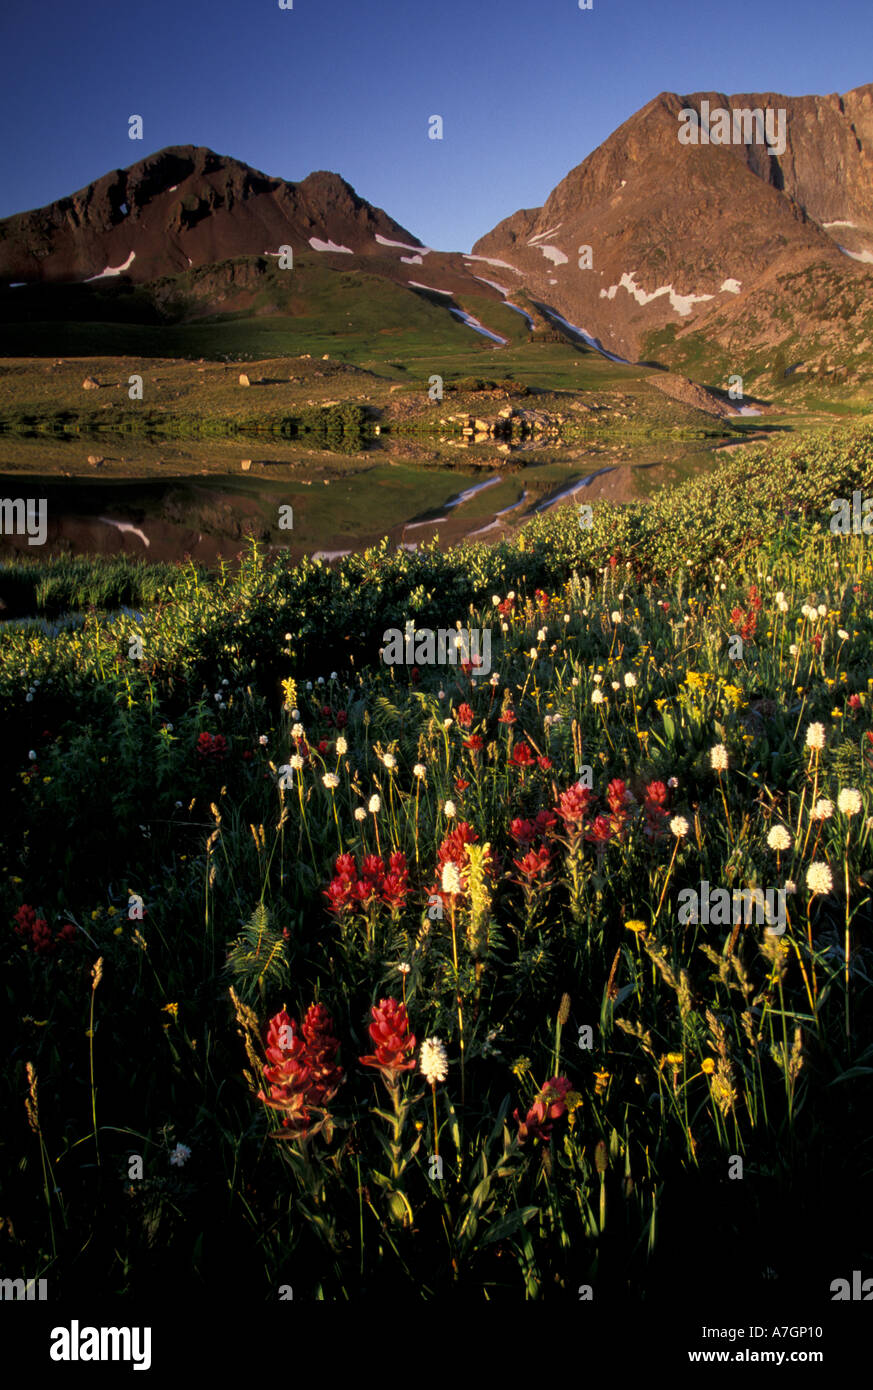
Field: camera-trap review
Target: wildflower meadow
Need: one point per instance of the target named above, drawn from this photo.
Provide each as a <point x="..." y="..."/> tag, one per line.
<point x="327" y="977"/>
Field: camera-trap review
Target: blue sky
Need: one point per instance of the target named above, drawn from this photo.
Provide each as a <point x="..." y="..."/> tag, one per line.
<point x="526" y="88"/>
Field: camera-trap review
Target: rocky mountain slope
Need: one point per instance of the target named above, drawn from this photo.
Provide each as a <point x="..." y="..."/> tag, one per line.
<point x="681" y="234"/>
<point x="186" y="206"/>
<point x="709" y="258"/>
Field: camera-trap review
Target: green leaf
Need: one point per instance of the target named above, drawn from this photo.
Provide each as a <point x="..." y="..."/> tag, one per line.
<point x="851" y="1074"/>
<point x="507" y="1225"/>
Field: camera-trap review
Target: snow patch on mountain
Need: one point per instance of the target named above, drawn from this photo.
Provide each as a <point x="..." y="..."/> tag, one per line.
<point x="477" y="326"/>
<point x="682" y="303"/>
<point x="865" y="256"/>
<point x="501" y="289"/>
<point x="489" y="260"/>
<point x="125" y="526"/>
<point x="541" y="236"/>
<point x="318" y="245"/>
<point x="552" y="253"/>
<point x="580" y="333"/>
<point x="113" y="270"/>
<point x="419" y="250"/>
<point x="416" y="285"/>
<point x="729" y="287"/>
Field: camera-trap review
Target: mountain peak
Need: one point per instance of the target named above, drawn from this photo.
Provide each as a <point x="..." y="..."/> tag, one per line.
<point x="185" y="206"/>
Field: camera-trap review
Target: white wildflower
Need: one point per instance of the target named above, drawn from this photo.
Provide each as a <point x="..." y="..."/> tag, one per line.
<point x="779" y="838"/>
<point x="819" y="879"/>
<point x="433" y="1061"/>
<point x="451" y="879"/>
<point x="718" y="758"/>
<point x="849" y="801"/>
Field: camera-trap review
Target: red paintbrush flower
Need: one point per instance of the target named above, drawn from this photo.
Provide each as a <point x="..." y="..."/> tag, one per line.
<point x="548" y="1107"/>
<point x="282" y="1042"/>
<point x="617" y="795"/>
<point x="395" y="890"/>
<point x="364" y="891"/>
<point x="464" y="715"/>
<point x="372" y="868"/>
<point x="522" y="755"/>
<point x="600" y="831"/>
<point x="475" y="743"/>
<point x="392" y="1041"/>
<point x="535" y="864"/>
<point x="289" y="1077"/>
<point x="395" y="885"/>
<point x="656" y="794"/>
<point x="340" y="893"/>
<point x="211" y="748"/>
<point x="523" y="831"/>
<point x="303" y="1071"/>
<point x="573" y="806"/>
<point x="34" y="930"/>
<point x="321" y="1047"/>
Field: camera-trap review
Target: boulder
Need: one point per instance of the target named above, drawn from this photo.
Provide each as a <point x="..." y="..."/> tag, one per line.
<point x="95" y="460"/>
<point x="243" y="379"/>
<point x="245" y="465"/>
<point x="89" y="384"/>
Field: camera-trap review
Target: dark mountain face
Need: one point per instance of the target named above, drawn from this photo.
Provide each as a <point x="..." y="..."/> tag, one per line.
<point x="186" y="206"/>
<point x="680" y="232"/>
